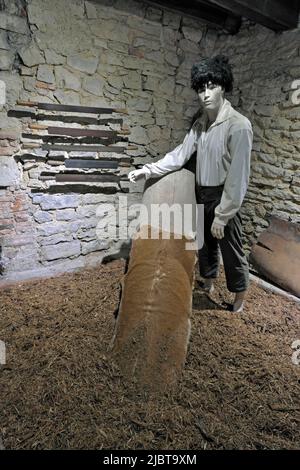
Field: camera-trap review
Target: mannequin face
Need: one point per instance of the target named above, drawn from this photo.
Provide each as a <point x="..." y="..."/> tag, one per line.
<point x="211" y="96"/>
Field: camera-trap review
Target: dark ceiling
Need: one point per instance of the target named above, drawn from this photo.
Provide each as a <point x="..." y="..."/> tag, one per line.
<point x="278" y="15"/>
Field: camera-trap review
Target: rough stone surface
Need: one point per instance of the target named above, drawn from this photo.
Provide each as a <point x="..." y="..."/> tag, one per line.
<point x="139" y="135"/>
<point x="91" y="10"/>
<point x="53" y="58"/>
<point x="84" y="62"/>
<point x="13" y="23"/>
<point x="32" y="56"/>
<point x="67" y="97"/>
<point x="66" y="214"/>
<point x="45" y="74"/>
<point x="97" y="245"/>
<point x="60" y="201"/>
<point x="93" y="85"/>
<point x="6" y="60"/>
<point x="60" y="250"/>
<point x="42" y="217"/>
<point x="67" y="80"/>
<point x="3" y="41"/>
<point x="9" y="172"/>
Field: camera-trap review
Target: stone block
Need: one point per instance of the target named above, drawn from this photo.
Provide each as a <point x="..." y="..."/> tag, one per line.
<point x="3" y="41"/>
<point x="52" y="58"/>
<point x="67" y="97"/>
<point x="45" y="74"/>
<point x="84" y="62"/>
<point x="167" y="87"/>
<point x="192" y="34"/>
<point x="87" y="235"/>
<point x="154" y="133"/>
<point x="90" y="10"/>
<point x="100" y="43"/>
<point x="2" y="93"/>
<point x="150" y="83"/>
<point x="93" y="85"/>
<point x="147" y="27"/>
<point x="139" y="135"/>
<point x="118" y="47"/>
<point x="86" y="211"/>
<point x="155" y="56"/>
<point x="96" y="245"/>
<point x="59" y="201"/>
<point x="9" y="172"/>
<point x="20" y="202"/>
<point x="66" y="79"/>
<point x="10" y="134"/>
<point x="18" y="240"/>
<point x="48" y="229"/>
<point x="24" y="259"/>
<point x="133" y="80"/>
<point x="139" y="104"/>
<point x="112" y="30"/>
<point x="42" y="217"/>
<point x="60" y="250"/>
<point x="66" y="214"/>
<point x="115" y="82"/>
<point x="6" y="60"/>
<point x="13" y="23"/>
<point x="110" y="93"/>
<point x="264" y="110"/>
<point x="31" y="55"/>
<point x="171" y="19"/>
<point x="89" y="223"/>
<point x="154" y="14"/>
<point x="95" y="198"/>
<point x="22" y="217"/>
<point x="7" y="150"/>
<point x="5" y="209"/>
<point x="172" y="59"/>
<point x="54" y="239"/>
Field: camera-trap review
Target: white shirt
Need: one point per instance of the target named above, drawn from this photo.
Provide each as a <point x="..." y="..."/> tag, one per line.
<point x="223" y="157"/>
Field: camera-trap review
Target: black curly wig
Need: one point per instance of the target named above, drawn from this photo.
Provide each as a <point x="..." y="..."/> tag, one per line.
<point x="215" y="69"/>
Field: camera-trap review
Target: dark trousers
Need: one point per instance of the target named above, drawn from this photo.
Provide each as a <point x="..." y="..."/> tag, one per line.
<point x="235" y="262"/>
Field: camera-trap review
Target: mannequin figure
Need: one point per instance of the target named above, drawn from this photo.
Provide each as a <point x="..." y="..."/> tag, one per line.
<point x="222" y="138"/>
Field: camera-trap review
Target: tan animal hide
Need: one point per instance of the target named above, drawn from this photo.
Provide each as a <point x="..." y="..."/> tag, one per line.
<point x="153" y="325"/>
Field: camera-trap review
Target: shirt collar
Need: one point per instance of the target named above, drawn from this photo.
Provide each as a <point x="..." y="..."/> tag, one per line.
<point x="223" y="114"/>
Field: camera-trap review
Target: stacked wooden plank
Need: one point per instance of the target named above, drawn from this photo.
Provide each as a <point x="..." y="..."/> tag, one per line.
<point x="83" y="147"/>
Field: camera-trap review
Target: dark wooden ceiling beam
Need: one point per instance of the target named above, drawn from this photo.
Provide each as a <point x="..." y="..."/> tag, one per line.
<point x="274" y="14"/>
<point x="204" y="10"/>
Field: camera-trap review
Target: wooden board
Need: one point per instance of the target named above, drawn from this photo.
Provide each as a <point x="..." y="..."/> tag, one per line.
<point x="87" y="148"/>
<point x="72" y="108"/>
<point x="87" y="178"/>
<point x="80" y="132"/>
<point x="69" y="118"/>
<point x="75" y="132"/>
<point x="62" y="139"/>
<point x="91" y="163"/>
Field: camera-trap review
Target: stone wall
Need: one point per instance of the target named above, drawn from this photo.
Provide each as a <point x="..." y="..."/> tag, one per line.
<point x="129" y="54"/>
<point x="105" y="53"/>
<point x="267" y="90"/>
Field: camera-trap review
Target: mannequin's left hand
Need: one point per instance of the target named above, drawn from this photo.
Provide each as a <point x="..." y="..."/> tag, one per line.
<point x="217" y="230"/>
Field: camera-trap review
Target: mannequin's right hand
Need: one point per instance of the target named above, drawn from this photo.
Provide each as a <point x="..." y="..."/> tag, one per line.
<point x="136" y="174"/>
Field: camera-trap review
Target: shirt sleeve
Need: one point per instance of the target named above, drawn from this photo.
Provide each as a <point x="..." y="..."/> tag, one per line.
<point x="236" y="183"/>
<point x="176" y="158"/>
